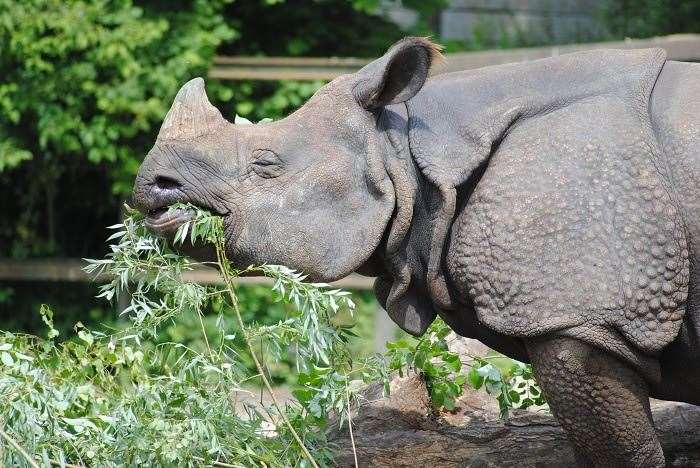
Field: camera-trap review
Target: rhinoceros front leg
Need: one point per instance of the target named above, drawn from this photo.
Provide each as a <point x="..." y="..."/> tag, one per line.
<point x="601" y="403"/>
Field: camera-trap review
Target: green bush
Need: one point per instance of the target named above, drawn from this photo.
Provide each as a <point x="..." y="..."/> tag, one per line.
<point x="262" y="308"/>
<point x="648" y="18"/>
<point x="87" y="79"/>
<point x="509" y="381"/>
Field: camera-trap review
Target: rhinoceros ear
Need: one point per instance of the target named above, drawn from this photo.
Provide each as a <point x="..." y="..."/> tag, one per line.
<point x="398" y="75"/>
<point x="191" y="115"/>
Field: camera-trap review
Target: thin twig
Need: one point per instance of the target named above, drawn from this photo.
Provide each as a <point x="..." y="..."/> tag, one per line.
<point x="214" y="463"/>
<point x="204" y="334"/>
<point x="67" y="465"/>
<point x="352" y="437"/>
<point x="19" y="449"/>
<point x="223" y="263"/>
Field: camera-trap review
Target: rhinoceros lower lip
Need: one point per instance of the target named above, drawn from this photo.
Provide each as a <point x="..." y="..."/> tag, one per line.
<point x="165" y="221"/>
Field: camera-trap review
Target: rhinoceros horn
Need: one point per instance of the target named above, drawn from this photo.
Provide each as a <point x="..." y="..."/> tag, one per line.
<point x="191" y="115"/>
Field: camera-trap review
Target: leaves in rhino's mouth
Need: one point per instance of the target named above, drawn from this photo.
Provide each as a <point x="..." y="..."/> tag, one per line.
<point x="180" y="219"/>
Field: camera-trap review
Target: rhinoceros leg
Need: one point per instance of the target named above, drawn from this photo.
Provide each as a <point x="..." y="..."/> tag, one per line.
<point x="601" y="403"/>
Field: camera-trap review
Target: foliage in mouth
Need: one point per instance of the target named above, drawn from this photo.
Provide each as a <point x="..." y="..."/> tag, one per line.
<point x="173" y="222"/>
<point x="168" y="221"/>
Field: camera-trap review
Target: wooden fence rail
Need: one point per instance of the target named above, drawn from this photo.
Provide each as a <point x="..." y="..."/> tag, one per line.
<point x="684" y="47"/>
<point x="71" y="270"/>
<point x="283" y="68"/>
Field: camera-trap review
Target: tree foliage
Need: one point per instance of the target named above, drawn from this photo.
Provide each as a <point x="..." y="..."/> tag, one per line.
<point x="647" y="18"/>
<point x="86" y="83"/>
<point x="88" y="79"/>
<point x="113" y="398"/>
<point x="509" y="381"/>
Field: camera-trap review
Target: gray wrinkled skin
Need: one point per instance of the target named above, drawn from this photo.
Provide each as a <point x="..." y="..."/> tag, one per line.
<point x="549" y="209"/>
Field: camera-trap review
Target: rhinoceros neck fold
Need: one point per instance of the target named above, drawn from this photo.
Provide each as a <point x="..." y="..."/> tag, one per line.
<point x="407" y="289"/>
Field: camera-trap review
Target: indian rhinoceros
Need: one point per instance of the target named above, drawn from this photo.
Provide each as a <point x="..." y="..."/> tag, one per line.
<point x="550" y="209"/>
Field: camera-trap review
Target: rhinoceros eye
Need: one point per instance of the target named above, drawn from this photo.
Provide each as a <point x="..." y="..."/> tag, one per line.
<point x="266" y="163"/>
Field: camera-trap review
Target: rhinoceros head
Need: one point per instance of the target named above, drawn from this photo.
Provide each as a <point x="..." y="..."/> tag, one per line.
<point x="309" y="191"/>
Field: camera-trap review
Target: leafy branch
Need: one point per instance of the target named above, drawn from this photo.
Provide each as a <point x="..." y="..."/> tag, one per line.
<point x="116" y="397"/>
<point x="511" y="382"/>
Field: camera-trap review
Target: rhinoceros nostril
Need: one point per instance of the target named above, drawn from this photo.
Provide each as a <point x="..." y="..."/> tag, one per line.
<point x="167" y="183"/>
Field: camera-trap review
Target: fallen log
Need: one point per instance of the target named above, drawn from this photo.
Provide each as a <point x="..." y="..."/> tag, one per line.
<point x="404" y="430"/>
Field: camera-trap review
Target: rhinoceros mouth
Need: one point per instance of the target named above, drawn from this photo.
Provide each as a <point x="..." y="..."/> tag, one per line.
<point x="165" y="221"/>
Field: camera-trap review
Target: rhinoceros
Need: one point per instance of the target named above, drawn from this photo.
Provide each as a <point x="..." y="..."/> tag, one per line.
<point x="549" y="209"/>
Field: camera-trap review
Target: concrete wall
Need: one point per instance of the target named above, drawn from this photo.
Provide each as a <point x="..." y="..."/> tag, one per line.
<point x="512" y="22"/>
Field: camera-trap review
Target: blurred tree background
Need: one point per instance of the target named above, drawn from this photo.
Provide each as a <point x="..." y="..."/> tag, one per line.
<point x="84" y="85"/>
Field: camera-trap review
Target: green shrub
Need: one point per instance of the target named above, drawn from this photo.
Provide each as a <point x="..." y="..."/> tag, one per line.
<point x="84" y="86"/>
<point x="87" y="79"/>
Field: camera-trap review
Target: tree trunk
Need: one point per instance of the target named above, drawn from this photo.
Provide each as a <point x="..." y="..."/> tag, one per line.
<point x="404" y="431"/>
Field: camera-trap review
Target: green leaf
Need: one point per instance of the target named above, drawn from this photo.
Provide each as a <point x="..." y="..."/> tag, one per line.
<point x="461" y="379"/>
<point x="86" y="337"/>
<point x="6" y="359"/>
<point x="452" y="361"/>
<point x="476" y="380"/>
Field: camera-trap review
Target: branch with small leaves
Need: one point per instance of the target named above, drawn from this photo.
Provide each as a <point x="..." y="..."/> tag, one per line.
<point x="114" y="398"/>
<point x="117" y="397"/>
<point x="511" y="382"/>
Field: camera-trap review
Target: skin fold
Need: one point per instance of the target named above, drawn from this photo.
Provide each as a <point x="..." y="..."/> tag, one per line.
<point x="549" y="209"/>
